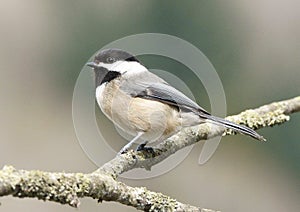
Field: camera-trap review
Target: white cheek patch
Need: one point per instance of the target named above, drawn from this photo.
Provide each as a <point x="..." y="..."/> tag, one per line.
<point x="99" y="94"/>
<point x="124" y="67"/>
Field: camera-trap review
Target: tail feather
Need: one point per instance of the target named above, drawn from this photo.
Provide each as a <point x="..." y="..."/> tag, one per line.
<point x="236" y="127"/>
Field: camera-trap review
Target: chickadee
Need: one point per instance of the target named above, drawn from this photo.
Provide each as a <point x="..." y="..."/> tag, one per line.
<point x="144" y="105"/>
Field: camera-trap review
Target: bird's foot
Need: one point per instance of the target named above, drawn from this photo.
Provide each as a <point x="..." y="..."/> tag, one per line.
<point x="143" y="147"/>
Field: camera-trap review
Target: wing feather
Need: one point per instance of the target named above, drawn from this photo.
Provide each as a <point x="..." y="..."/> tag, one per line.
<point x="150" y="86"/>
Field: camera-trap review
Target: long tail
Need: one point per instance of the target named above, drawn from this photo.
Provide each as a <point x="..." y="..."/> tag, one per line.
<point x="236" y="127"/>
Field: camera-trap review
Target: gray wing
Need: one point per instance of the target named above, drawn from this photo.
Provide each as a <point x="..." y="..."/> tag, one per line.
<point x="150" y="86"/>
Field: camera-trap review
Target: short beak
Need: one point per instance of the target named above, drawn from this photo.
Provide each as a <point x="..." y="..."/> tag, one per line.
<point x="91" y="64"/>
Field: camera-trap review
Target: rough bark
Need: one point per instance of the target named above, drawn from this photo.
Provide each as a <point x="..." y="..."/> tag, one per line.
<point x="68" y="188"/>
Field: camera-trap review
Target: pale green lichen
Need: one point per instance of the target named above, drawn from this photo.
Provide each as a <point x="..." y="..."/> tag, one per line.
<point x="203" y="131"/>
<point x="59" y="187"/>
<point x="8" y="175"/>
<point x="160" y="202"/>
<point x="256" y="120"/>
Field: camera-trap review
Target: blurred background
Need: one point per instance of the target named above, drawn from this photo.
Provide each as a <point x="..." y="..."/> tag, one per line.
<point x="253" y="45"/>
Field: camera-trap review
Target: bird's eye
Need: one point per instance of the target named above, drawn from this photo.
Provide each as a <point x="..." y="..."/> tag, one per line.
<point x="110" y="60"/>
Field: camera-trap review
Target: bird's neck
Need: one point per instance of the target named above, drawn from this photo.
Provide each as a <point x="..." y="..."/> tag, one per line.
<point x="103" y="75"/>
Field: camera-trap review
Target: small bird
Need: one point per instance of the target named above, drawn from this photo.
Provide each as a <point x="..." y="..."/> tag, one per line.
<point x="143" y="104"/>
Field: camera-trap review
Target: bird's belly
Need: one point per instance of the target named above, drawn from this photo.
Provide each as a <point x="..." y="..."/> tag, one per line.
<point x="156" y="120"/>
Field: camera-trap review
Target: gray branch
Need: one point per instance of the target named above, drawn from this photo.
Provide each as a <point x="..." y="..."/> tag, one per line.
<point x="68" y="188"/>
<point x="264" y="116"/>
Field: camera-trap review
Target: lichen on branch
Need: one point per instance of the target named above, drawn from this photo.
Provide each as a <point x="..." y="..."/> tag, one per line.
<point x="102" y="184"/>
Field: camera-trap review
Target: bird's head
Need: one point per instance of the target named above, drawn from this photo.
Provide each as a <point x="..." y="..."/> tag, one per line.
<point x="111" y="63"/>
<point x="112" y="59"/>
